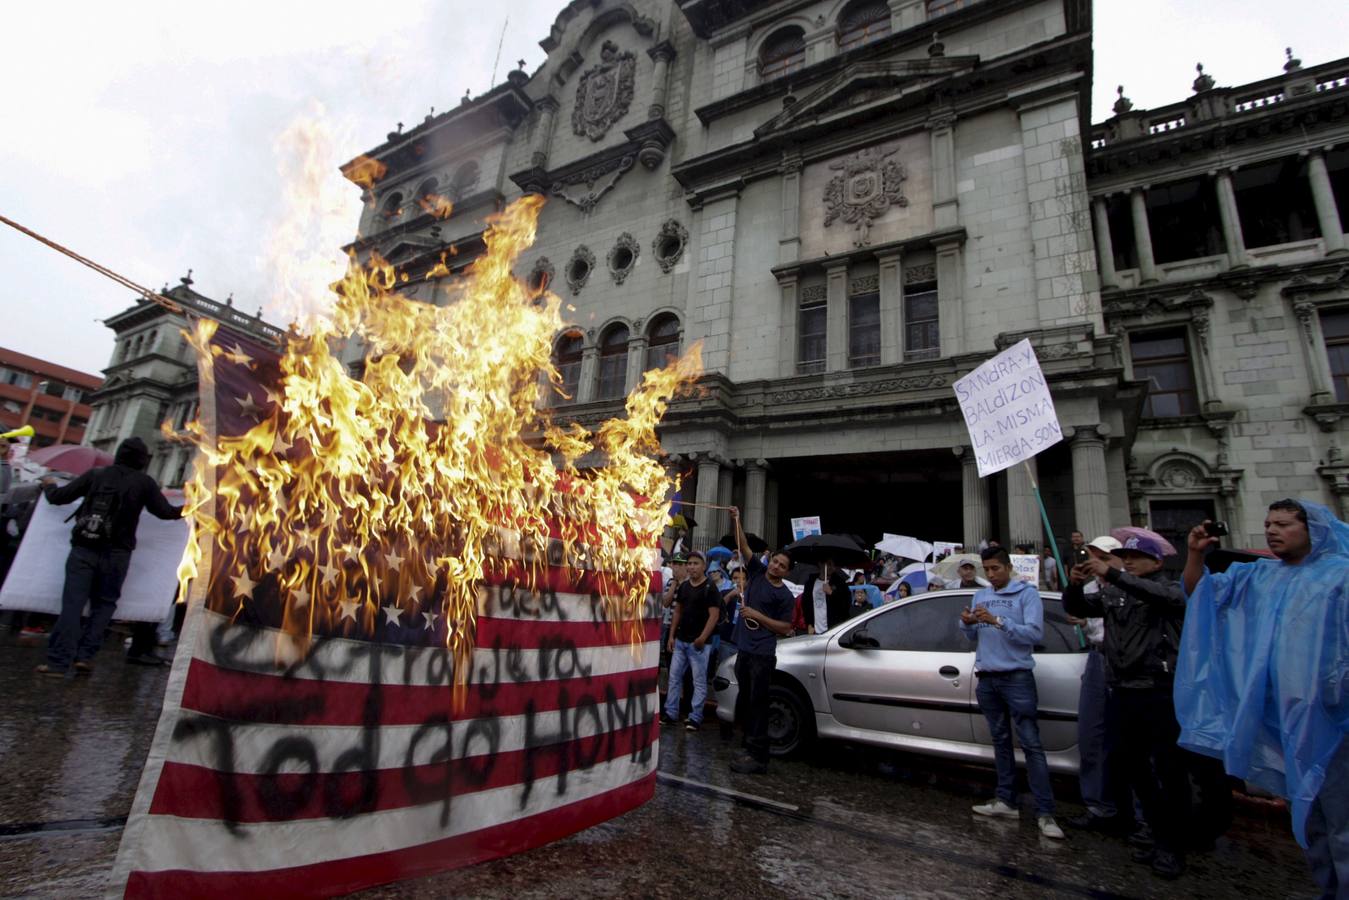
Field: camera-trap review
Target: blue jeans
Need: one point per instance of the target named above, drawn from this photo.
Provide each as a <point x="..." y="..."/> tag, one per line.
<point x="1012" y="694"/>
<point x="94" y="577"/>
<point x="1096" y="739"/>
<point x="686" y="656"/>
<point x="1328" y="827"/>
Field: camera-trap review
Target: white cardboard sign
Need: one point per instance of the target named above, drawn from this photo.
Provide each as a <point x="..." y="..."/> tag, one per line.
<point x="805" y="526"/>
<point x="35" y="579"/>
<point x="1008" y="410"/>
<point x="1026" y="566"/>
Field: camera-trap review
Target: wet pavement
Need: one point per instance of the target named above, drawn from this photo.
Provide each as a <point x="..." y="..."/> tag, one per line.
<point x="840" y="822"/>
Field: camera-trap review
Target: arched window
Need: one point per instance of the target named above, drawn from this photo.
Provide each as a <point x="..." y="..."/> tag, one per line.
<point x="783" y="53"/>
<point x="393" y="207"/>
<point x="465" y="180"/>
<point x="863" y="22"/>
<point x="567" y="360"/>
<point x="613" y="380"/>
<point x="662" y="347"/>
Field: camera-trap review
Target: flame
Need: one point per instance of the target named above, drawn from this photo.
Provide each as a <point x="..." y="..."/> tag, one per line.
<point x="436" y="469"/>
<point x="436" y="205"/>
<point x="365" y="171"/>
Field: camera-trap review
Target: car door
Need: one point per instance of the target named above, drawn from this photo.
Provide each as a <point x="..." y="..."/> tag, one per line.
<point x="915" y="681"/>
<point x="1059" y="660"/>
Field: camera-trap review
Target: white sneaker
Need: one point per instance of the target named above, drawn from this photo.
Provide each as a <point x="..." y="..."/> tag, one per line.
<point x="996" y="809"/>
<point x="1049" y="828"/>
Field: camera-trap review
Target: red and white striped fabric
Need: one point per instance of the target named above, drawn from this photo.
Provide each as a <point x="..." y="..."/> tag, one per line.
<point x="353" y="766"/>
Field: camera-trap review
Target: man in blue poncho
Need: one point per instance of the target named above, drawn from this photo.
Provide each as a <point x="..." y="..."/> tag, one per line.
<point x="1263" y="675"/>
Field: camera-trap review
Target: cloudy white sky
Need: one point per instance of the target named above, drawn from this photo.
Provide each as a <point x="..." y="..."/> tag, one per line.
<point x="145" y="134"/>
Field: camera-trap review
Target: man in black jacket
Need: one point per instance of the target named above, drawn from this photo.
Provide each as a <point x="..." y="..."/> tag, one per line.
<point x="1143" y="612"/>
<point x="100" y="550"/>
<point x="825" y="599"/>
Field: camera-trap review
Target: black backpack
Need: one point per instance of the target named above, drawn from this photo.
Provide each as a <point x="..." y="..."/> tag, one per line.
<point x="94" y="519"/>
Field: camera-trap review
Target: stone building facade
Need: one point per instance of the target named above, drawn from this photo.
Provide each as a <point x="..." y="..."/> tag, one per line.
<point x="152" y="377"/>
<point x="850" y="203"/>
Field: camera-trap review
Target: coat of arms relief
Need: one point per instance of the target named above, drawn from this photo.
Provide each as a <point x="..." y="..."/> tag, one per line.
<point x="868" y="184"/>
<point x="604" y="93"/>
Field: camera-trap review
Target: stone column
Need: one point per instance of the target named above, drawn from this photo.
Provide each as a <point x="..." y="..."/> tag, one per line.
<point x="1207" y="377"/>
<point x="770" y="512"/>
<point x="1231" y="219"/>
<point x="636" y="356"/>
<point x="945" y="208"/>
<point x="892" y="307"/>
<point x="1147" y="265"/>
<point x="1327" y="214"/>
<point x="543" y="137"/>
<point x="661" y="54"/>
<point x="1314" y="345"/>
<point x="709" y="476"/>
<point x="975" y="494"/>
<point x="1023" y="515"/>
<point x="725" y="483"/>
<point x="756" y="483"/>
<point x="1091" y="486"/>
<point x="950" y="297"/>
<point x="836" y="336"/>
<point x="788" y="310"/>
<point x="1105" y="247"/>
<point x="789" y="240"/>
<point x="590" y="362"/>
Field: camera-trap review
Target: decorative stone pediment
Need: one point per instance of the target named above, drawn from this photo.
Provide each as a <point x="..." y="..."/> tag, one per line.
<point x="604" y="92"/>
<point x="584" y="187"/>
<point x="862" y="85"/>
<point x="867" y="184"/>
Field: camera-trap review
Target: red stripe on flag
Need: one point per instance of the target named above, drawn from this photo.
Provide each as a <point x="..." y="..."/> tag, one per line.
<point x="196" y="792"/>
<point x="530" y="634"/>
<point x="257" y="698"/>
<point x="332" y="877"/>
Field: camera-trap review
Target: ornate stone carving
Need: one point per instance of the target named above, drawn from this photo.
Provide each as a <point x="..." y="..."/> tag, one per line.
<point x="869" y="183"/>
<point x="1179" y="475"/>
<point x="920" y="274"/>
<point x="1306" y="316"/>
<point x="579" y="267"/>
<point x="585" y="188"/>
<point x="604" y="92"/>
<point x="867" y="284"/>
<point x="813" y="293"/>
<point x="859" y="389"/>
<point x="623" y="258"/>
<point x="668" y="247"/>
<point x="1202" y="324"/>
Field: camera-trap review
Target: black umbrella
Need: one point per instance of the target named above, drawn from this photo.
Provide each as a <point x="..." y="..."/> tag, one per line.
<point x="756" y="543"/>
<point x="800" y="572"/>
<point x="815" y="548"/>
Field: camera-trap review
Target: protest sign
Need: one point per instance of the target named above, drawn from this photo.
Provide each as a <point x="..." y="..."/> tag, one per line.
<point x="942" y="549"/>
<point x="805" y="526"/>
<point x="1007" y="409"/>
<point x="38" y="574"/>
<point x="1026" y="566"/>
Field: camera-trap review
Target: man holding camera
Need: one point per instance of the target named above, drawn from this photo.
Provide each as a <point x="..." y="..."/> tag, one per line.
<point x="1143" y="612"/>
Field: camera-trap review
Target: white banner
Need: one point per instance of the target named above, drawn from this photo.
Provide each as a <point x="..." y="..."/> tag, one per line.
<point x="943" y="549"/>
<point x="1026" y="566"/>
<point x="805" y="526"/>
<point x="35" y="580"/>
<point x="1007" y="409"/>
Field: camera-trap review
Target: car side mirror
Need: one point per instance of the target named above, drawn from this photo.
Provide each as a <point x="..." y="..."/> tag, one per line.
<point x="859" y="640"/>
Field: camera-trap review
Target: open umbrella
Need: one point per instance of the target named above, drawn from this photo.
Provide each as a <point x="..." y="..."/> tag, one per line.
<point x="718" y="552"/>
<point x="70" y="458"/>
<point x="907" y="547"/>
<point x="949" y="569"/>
<point x="800" y="572"/>
<point x="1131" y="531"/>
<point x="815" y="548"/>
<point x="756" y="543"/>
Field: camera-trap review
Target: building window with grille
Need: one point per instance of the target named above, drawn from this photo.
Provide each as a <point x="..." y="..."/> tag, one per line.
<point x="864" y="330"/>
<point x="922" y="334"/>
<point x="1162" y="359"/>
<point x="863" y="22"/>
<point x="613" y="380"/>
<point x="811" y="328"/>
<point x="1335" y="326"/>
<point x="662" y="344"/>
<point x="783" y="53"/>
<point x="567" y="361"/>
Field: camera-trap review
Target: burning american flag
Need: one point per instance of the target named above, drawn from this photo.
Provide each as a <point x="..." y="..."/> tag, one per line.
<point x="416" y="639"/>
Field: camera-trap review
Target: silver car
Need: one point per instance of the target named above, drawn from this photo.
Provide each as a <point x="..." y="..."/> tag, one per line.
<point x="902" y="676"/>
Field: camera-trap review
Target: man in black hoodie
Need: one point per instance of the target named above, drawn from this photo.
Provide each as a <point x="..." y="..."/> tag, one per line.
<point x="1143" y="612"/>
<point x="100" y="550"/>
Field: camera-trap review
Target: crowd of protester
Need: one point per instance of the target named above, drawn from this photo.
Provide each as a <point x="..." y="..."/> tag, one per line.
<point x="1188" y="684"/>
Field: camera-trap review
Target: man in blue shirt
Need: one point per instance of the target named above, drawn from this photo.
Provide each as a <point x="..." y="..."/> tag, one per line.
<point x="1007" y="621"/>
<point x="765" y="614"/>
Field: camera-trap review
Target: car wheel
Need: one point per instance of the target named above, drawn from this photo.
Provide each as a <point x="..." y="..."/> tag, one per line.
<point x="791" y="724"/>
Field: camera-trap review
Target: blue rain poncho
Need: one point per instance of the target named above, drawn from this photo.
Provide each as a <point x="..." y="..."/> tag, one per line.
<point x="1262" y="681"/>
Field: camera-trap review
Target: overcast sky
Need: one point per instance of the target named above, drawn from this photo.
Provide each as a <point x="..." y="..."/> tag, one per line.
<point x="145" y="135"/>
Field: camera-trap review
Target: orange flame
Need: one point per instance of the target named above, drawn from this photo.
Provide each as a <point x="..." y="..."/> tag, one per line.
<point x="363" y="498"/>
<point x="436" y="205"/>
<point x="365" y="171"/>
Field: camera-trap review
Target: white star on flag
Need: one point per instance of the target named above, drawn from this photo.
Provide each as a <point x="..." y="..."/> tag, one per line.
<point x="236" y="354"/>
<point x="351" y="554"/>
<point x="272" y="396"/>
<point x="414" y="593"/>
<point x="301" y="595"/>
<point x="394" y="560"/>
<point x="329" y="572"/>
<point x="276" y="559"/>
<point x="349" y="608"/>
<point x="430" y="617"/>
<point x="391" y="613"/>
<point x="280" y="445"/>
<point x="243" y="585"/>
<point x="247" y="404"/>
